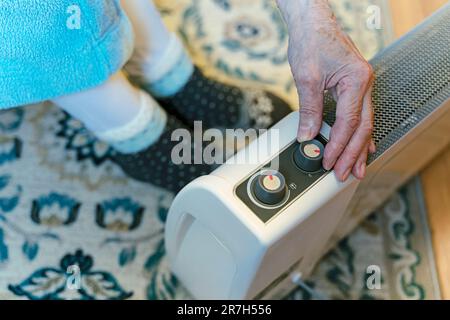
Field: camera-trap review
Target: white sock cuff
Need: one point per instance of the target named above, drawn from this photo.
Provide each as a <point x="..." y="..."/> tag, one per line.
<point x="141" y="132"/>
<point x="167" y="74"/>
<point x="154" y="71"/>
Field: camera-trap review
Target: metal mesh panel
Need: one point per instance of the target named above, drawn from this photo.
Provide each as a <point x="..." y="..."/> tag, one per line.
<point x="412" y="79"/>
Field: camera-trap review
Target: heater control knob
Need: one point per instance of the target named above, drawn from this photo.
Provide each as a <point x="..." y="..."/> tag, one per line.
<point x="308" y="156"/>
<point x="270" y="187"/>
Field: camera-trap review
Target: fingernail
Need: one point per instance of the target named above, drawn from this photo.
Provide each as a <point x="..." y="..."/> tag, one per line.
<point x="304" y="134"/>
<point x="372" y="148"/>
<point x="346" y="174"/>
<point x="328" y="161"/>
<point x="362" y="170"/>
<point x="326" y="165"/>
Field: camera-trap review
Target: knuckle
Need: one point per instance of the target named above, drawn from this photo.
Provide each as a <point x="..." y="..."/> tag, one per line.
<point x="353" y="122"/>
<point x="351" y="119"/>
<point x="337" y="146"/>
<point x="352" y="155"/>
<point x="367" y="127"/>
<point x="307" y="81"/>
<point x="308" y="111"/>
<point x="365" y="72"/>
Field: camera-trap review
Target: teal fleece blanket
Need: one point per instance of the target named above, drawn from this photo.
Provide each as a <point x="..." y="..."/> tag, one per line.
<point x="50" y="48"/>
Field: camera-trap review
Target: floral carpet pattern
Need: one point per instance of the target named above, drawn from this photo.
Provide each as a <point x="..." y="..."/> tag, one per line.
<point x="73" y="226"/>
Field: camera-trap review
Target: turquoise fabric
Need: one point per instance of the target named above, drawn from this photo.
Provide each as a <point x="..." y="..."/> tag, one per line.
<point x="44" y="55"/>
<point x="174" y="80"/>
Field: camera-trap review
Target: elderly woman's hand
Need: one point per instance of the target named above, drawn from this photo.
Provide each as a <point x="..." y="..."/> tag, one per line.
<point x="323" y="57"/>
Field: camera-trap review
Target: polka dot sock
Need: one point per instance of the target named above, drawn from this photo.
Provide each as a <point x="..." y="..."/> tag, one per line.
<point x="223" y="106"/>
<point x="155" y="165"/>
<point x="143" y="147"/>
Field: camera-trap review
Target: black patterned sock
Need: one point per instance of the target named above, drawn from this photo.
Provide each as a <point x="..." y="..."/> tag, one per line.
<point x="155" y="166"/>
<point x="219" y="105"/>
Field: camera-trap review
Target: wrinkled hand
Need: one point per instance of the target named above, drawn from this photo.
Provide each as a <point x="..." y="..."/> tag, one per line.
<point x="323" y="57"/>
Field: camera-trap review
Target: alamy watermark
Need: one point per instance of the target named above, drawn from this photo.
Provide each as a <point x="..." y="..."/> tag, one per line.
<point x="214" y="146"/>
<point x="73" y="281"/>
<point x="373" y="22"/>
<point x="73" y="22"/>
<point x="373" y="280"/>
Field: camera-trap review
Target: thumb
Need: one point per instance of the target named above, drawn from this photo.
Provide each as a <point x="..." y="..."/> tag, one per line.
<point x="311" y="109"/>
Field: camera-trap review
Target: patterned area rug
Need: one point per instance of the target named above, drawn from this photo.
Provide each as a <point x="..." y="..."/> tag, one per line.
<point x="392" y="243"/>
<point x="64" y="203"/>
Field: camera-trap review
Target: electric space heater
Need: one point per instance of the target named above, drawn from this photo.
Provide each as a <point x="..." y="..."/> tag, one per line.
<point x="250" y="231"/>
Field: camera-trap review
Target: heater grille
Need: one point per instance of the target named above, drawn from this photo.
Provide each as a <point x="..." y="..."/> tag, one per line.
<point x="412" y="79"/>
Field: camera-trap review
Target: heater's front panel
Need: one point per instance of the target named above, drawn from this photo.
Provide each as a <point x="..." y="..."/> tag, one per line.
<point x="275" y="185"/>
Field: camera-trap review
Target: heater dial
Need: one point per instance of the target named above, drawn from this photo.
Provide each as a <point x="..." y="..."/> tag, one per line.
<point x="308" y="156"/>
<point x="270" y="187"/>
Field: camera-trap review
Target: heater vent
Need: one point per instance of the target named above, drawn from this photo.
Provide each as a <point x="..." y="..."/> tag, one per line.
<point x="412" y="79"/>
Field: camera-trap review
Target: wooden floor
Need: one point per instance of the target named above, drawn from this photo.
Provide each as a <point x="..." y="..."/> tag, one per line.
<point x="436" y="177"/>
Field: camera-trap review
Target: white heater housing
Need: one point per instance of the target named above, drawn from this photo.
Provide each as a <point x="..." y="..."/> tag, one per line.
<point x="223" y="242"/>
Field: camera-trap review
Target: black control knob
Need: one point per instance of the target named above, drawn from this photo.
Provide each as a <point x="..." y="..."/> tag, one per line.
<point x="308" y="156"/>
<point x="270" y="187"/>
